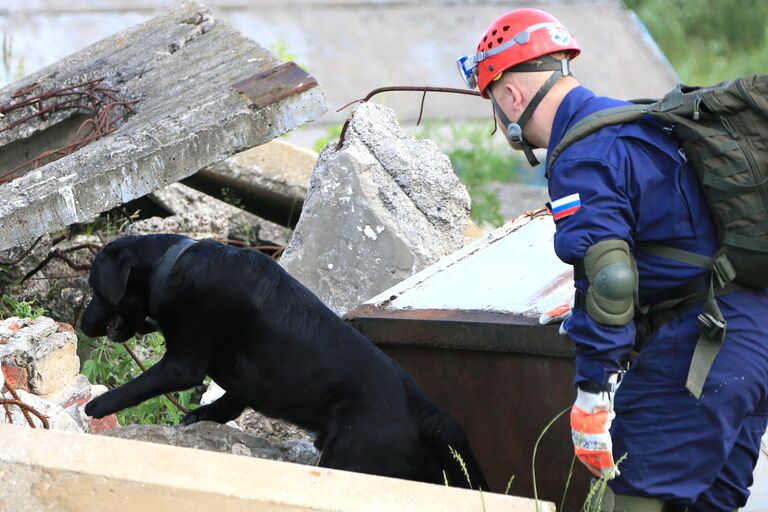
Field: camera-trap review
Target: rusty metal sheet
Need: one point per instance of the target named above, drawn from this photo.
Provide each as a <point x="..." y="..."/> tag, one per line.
<point x="275" y="84"/>
<point x="469" y="330"/>
<point x="503" y="401"/>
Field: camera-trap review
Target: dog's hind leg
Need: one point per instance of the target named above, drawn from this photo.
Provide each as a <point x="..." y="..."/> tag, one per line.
<point x="226" y="408"/>
<point x="448" y="440"/>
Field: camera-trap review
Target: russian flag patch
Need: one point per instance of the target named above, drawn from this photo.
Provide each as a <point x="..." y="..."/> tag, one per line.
<point x="565" y="206"/>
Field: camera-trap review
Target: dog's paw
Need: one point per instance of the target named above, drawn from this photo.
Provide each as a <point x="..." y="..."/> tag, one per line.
<point x="194" y="416"/>
<point x="97" y="408"/>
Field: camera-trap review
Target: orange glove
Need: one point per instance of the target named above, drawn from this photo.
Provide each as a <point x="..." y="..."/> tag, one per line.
<point x="560" y="314"/>
<point x="591" y="418"/>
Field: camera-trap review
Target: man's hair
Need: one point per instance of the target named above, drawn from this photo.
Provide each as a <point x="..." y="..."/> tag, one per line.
<point x="531" y="79"/>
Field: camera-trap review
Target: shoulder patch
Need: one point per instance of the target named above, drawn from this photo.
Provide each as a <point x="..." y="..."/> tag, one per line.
<point x="565" y="206"/>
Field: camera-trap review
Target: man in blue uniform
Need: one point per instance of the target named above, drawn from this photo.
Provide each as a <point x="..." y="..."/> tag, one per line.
<point x="611" y="193"/>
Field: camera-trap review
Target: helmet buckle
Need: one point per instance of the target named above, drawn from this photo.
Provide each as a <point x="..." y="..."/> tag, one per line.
<point x="515" y="133"/>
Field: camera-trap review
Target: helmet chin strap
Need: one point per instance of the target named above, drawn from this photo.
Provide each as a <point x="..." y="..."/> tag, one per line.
<point x="515" y="130"/>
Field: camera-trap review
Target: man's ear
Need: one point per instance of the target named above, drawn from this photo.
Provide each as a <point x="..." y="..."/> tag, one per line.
<point x="113" y="275"/>
<point x="516" y="93"/>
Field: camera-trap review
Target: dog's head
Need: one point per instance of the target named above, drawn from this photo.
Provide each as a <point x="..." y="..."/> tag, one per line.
<point x="120" y="287"/>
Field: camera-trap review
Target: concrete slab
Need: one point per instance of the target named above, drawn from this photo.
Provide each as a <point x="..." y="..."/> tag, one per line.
<point x="46" y="470"/>
<point x="351" y="47"/>
<point x="193" y="77"/>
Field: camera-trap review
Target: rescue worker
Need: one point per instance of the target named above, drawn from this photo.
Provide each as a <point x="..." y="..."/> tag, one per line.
<point x="613" y="191"/>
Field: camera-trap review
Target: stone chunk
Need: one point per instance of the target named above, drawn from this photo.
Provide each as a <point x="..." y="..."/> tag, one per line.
<point x="380" y="208"/>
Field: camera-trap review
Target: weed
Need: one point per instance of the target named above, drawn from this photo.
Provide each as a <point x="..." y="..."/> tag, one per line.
<point x="110" y="364"/>
<point x="281" y="49"/>
<point x="457" y="456"/>
<point x="332" y="134"/>
<point x="596" y="493"/>
<point x="11" y="70"/>
<point x="20" y="308"/>
<point x="509" y="485"/>
<point x="230" y="197"/>
<point x="479" y="161"/>
<point x="535" y="449"/>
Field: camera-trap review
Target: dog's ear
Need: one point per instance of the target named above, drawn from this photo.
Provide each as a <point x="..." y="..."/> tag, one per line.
<point x="113" y="273"/>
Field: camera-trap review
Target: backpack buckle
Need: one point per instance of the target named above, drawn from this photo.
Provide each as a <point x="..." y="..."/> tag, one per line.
<point x="711" y="326"/>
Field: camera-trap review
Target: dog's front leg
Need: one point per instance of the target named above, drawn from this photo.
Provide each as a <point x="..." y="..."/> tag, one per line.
<point x="169" y="374"/>
<point x="226" y="408"/>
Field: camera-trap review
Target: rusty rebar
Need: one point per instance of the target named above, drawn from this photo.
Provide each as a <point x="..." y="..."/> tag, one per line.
<point x="89" y="97"/>
<point x="408" y="88"/>
<point x="26" y="410"/>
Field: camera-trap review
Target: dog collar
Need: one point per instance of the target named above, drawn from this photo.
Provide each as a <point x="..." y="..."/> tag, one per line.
<point x="157" y="288"/>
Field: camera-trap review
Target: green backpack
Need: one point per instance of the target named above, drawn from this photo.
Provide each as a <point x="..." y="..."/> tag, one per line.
<point x="723" y="130"/>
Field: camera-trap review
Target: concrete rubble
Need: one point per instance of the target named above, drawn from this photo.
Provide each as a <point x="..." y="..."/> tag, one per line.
<point x="207" y="435"/>
<point x="254" y="423"/>
<point x="379" y="208"/>
<point x="39" y="360"/>
<point x="269" y="181"/>
<point x="201" y="91"/>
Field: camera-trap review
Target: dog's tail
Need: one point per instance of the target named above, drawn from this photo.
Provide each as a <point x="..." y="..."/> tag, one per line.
<point x="448" y="441"/>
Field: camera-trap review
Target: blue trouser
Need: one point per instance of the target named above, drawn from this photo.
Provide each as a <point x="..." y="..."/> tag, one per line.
<point x="699" y="453"/>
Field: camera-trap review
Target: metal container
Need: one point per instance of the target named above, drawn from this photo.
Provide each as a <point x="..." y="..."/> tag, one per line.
<point x="467" y="330"/>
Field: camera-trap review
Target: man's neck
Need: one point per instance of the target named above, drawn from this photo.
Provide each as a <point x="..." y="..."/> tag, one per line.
<point x="540" y="125"/>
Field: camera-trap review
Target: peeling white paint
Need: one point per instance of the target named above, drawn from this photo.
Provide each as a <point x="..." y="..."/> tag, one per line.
<point x="512" y="270"/>
<point x="370" y="233"/>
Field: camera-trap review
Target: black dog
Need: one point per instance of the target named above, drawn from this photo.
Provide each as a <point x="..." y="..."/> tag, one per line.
<point x="236" y="315"/>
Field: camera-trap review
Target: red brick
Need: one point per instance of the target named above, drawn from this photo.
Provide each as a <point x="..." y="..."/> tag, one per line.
<point x="80" y="399"/>
<point x="16" y="376"/>
<point x="65" y="327"/>
<point x="102" y="425"/>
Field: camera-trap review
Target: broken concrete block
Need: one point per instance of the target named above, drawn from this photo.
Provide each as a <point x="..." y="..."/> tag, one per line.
<point x="192" y="223"/>
<point x="47" y="353"/>
<point x="378" y="209"/>
<point x="53" y="283"/>
<point x="269" y="181"/>
<point x="198" y="92"/>
<point x="229" y="219"/>
<point x="207" y="435"/>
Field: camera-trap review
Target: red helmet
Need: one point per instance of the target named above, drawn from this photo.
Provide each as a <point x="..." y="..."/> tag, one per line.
<point x="518" y="36"/>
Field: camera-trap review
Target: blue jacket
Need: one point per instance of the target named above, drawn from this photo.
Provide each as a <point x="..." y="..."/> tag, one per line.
<point x="633" y="184"/>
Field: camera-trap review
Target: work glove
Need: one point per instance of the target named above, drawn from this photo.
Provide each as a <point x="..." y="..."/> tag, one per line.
<point x="591" y="418"/>
<point x="560" y="314"/>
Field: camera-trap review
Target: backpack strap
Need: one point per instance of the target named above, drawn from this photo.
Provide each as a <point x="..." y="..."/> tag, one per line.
<point x="596" y="121"/>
